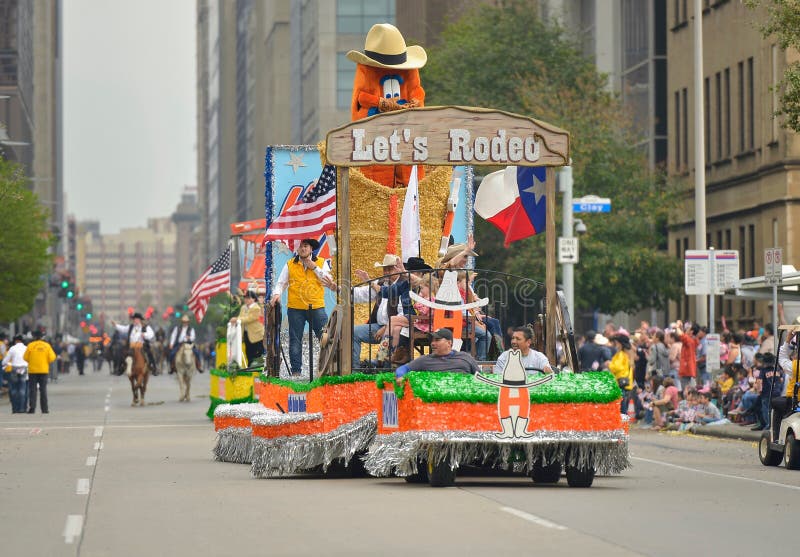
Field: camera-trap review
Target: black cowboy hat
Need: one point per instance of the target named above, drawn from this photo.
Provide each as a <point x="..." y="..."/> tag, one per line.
<point x="623" y="340"/>
<point x="311" y="242"/>
<point x="417" y="264"/>
<point x="137" y="315"/>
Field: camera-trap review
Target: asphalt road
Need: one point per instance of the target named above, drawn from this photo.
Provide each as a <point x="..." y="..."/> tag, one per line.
<point x="97" y="477"/>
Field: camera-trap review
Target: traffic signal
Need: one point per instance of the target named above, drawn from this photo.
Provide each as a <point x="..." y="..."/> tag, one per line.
<point x="79" y="306"/>
<point x="65" y="284"/>
<point x="178" y="314"/>
<point x="89" y="316"/>
<point x="70" y="293"/>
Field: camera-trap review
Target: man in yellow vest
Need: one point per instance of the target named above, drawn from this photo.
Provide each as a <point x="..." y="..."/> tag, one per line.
<point x="39" y="356"/>
<point x="305" y="275"/>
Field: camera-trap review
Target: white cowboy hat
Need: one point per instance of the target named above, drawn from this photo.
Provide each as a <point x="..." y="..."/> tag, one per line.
<point x="447" y="297"/>
<point x="389" y="260"/>
<point x="600" y="339"/>
<point x="456" y="249"/>
<point x="385" y="47"/>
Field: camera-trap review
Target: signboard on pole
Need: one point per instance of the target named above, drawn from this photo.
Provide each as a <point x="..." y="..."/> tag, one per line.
<point x="712" y="352"/>
<point x="697" y="271"/>
<point x="567" y="250"/>
<point x="773" y="265"/>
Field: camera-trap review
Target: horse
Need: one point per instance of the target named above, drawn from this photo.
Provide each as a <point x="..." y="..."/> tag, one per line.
<point x="138" y="372"/>
<point x="184" y="364"/>
<point x="114" y="354"/>
<point x="159" y="352"/>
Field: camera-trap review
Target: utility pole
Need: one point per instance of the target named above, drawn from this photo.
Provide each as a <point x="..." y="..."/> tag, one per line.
<point x="701" y="307"/>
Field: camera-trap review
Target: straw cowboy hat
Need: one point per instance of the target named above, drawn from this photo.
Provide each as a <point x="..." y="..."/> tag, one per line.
<point x="447" y="297"/>
<point x="455" y="250"/>
<point x="385" y="47"/>
<point x="389" y="260"/>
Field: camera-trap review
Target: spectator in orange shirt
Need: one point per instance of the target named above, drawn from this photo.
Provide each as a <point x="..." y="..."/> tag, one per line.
<point x="688" y="365"/>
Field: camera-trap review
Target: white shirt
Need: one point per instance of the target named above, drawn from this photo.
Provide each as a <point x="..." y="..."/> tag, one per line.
<point x="181" y="334"/>
<point x="14" y="356"/>
<point x="786" y="364"/>
<point x="361" y="295"/>
<point x="322" y="273"/>
<point x="138" y="333"/>
<point x="534" y="359"/>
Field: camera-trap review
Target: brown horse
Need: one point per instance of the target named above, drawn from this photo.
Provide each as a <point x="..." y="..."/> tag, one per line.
<point x="138" y="372"/>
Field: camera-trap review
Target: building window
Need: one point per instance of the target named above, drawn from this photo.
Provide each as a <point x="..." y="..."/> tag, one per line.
<point x="685" y="127"/>
<point x="774" y="92"/>
<point x="742" y="262"/>
<point x="741" y="107"/>
<point x="727" y="112"/>
<point x="718" y="113"/>
<point x="707" y="118"/>
<point x="751" y="133"/>
<point x="751" y="255"/>
<point x="357" y="16"/>
<point x="677" y="131"/>
<point x="345" y="74"/>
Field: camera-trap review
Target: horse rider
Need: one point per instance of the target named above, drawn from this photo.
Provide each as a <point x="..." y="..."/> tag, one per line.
<point x="137" y="332"/>
<point x="180" y="334"/>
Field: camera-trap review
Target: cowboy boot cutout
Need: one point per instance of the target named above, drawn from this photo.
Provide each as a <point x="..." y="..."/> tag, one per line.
<point x="520" y="428"/>
<point x="508" y="429"/>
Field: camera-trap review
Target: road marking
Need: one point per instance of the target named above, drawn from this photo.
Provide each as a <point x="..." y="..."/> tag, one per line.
<point x="533" y="518"/>
<point x="98" y="445"/>
<point x="91" y="460"/>
<point x="98" y="431"/>
<point x="728" y="476"/>
<point x="35" y="431"/>
<point x="83" y="486"/>
<point x="107" y="408"/>
<point x="73" y="527"/>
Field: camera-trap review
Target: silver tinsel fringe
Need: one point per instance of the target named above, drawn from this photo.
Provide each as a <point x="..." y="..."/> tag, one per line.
<point x="285" y="456"/>
<point x="399" y="453"/>
<point x="234" y="444"/>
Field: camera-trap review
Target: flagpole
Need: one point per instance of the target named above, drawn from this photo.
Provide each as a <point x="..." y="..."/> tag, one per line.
<point x="343" y="213"/>
<point x="550" y="263"/>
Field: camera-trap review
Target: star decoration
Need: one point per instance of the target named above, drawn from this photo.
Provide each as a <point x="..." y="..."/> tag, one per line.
<point x="295" y="161"/>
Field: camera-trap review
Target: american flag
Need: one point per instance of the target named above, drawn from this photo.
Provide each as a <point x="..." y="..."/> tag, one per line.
<point x="312" y="215"/>
<point x="216" y="279"/>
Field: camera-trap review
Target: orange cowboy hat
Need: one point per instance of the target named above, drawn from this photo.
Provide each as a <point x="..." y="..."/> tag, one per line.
<point x="385" y="47"/>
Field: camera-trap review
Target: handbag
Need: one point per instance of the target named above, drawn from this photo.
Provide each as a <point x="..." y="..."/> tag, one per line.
<point x="622" y="382"/>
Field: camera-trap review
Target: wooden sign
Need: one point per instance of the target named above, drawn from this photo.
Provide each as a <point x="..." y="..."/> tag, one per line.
<point x="447" y="136"/>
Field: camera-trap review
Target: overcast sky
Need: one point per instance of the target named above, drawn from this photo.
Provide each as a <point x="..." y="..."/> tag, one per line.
<point x="129" y="108"/>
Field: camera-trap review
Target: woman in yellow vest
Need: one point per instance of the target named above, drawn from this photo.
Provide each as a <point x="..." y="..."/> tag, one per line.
<point x="621" y="366"/>
<point x="305" y="276"/>
<point x="252" y="327"/>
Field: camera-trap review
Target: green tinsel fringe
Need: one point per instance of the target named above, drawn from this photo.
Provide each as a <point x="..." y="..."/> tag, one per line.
<point x="300" y="387"/>
<point x="437" y="386"/>
<point x="217" y="401"/>
<point x="241" y="372"/>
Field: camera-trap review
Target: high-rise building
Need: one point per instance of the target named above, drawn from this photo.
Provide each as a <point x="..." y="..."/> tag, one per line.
<point x="133" y="268"/>
<point x="751" y="171"/>
<point x="187" y="265"/>
<point x="30" y="113"/>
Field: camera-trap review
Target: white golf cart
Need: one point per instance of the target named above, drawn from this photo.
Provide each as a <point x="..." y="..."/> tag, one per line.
<point x="781" y="441"/>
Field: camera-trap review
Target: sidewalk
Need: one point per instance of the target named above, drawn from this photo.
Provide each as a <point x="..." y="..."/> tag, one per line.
<point x="727" y="431"/>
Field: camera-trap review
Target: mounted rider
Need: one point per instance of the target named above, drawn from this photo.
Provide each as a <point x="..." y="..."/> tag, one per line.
<point x="137" y="333"/>
<point x="180" y="334"/>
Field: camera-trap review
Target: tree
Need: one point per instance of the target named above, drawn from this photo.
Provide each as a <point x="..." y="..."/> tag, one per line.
<point x="504" y="57"/>
<point x="24" y="242"/>
<point x="783" y="23"/>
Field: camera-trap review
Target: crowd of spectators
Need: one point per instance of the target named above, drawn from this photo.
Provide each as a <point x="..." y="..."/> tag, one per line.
<point x="667" y="382"/>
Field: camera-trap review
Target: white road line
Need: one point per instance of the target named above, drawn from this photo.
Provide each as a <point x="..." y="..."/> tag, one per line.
<point x="717" y="474"/>
<point x="533" y="518"/>
<point x="98" y="431"/>
<point x="73" y="527"/>
<point x="91" y="460"/>
<point x="84" y="484"/>
<point x="98" y="445"/>
<point x="107" y="407"/>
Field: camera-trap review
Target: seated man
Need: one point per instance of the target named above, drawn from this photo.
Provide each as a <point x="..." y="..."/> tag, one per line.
<point x="441" y="358"/>
<point x="522" y="339"/>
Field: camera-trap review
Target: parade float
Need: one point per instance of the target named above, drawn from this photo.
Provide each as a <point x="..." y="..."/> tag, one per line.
<point x="426" y="425"/>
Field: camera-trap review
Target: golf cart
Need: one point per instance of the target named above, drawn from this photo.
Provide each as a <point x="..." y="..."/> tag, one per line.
<point x="781" y="441"/>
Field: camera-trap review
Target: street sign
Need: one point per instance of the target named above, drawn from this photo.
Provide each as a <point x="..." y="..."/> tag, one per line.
<point x="567" y="250"/>
<point x="591" y="204"/>
<point x="773" y="265"/>
<point x="697" y="271"/>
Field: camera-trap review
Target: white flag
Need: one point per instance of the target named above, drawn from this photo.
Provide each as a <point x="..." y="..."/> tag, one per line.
<point x="409" y="224"/>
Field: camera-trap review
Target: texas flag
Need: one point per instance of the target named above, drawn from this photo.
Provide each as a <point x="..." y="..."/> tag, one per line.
<point x="513" y="200"/>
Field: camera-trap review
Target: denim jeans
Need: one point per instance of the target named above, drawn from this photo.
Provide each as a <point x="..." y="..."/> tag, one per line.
<point x="18" y="391"/>
<point x="363" y="333"/>
<point x="297" y="324"/>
